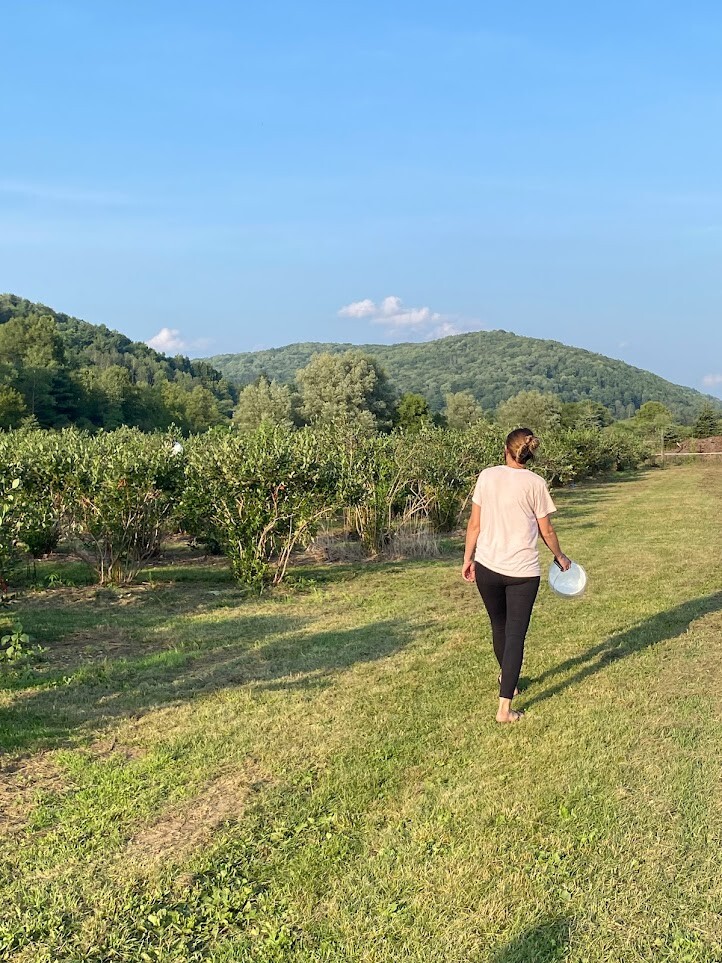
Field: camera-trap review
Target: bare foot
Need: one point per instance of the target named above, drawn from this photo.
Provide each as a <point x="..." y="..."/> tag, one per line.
<point x="510" y="715"/>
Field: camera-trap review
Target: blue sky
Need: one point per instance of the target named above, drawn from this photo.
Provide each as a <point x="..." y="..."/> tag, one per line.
<point x="240" y="175"/>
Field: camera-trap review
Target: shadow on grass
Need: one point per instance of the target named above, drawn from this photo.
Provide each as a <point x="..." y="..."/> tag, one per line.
<point x="303" y="572"/>
<point x="589" y="497"/>
<point x="232" y="654"/>
<point x="547" y="942"/>
<point x="660" y="628"/>
<point x="79" y="626"/>
<point x="311" y="572"/>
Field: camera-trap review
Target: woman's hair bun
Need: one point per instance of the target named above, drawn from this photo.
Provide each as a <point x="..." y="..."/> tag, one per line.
<point x="521" y="444"/>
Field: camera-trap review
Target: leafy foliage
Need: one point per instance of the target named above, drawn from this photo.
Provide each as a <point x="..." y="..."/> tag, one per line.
<point x="56" y="370"/>
<point x="708" y="423"/>
<point x="41" y="461"/>
<point x="585" y="414"/>
<point x="346" y="389"/>
<point x="10" y="525"/>
<point x="530" y="409"/>
<point x="259" y="495"/>
<point x="655" y="415"/>
<point x="119" y="499"/>
<point x="264" y="403"/>
<point x="12" y="407"/>
<point x="652" y="422"/>
<point x="461" y="409"/>
<point x="16" y="645"/>
<point x="569" y="455"/>
<point x="493" y="366"/>
<point x="381" y="481"/>
<point x="412" y="412"/>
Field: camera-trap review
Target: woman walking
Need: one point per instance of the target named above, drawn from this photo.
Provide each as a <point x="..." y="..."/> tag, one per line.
<point x="510" y="509"/>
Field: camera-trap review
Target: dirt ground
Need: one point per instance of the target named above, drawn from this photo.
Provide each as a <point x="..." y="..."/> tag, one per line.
<point x="713" y="444"/>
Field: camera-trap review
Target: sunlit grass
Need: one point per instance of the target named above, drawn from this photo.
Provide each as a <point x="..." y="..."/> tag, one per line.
<point x="194" y="773"/>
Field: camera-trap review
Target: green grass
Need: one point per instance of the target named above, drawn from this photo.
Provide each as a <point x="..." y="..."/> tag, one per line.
<point x="193" y="773"/>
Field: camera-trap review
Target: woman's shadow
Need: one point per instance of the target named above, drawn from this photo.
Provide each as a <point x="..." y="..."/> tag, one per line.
<point x="547" y="942"/>
<point x="660" y="628"/>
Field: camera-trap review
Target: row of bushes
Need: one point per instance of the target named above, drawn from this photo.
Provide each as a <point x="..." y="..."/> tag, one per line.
<point x="255" y="497"/>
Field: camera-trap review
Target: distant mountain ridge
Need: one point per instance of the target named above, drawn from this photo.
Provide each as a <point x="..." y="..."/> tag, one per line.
<point x="102" y="378"/>
<point x="493" y="365"/>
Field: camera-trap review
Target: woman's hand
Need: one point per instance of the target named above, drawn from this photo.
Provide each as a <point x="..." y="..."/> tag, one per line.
<point x="549" y="537"/>
<point x="467" y="570"/>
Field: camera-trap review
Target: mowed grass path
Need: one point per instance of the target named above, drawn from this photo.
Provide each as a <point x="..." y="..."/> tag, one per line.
<point x="196" y="774"/>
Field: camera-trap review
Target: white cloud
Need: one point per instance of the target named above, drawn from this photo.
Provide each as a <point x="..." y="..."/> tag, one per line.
<point x="170" y="341"/>
<point x="167" y="340"/>
<point x="358" y="309"/>
<point x="712" y="380"/>
<point x="392" y="314"/>
<point x="448" y="328"/>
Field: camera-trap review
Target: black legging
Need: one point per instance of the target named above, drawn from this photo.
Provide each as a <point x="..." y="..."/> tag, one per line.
<point x="509" y="602"/>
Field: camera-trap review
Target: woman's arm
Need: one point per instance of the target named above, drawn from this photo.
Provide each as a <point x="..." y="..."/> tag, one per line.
<point x="549" y="536"/>
<point x="472" y="535"/>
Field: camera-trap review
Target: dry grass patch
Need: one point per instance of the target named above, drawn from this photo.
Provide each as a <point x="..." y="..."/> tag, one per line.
<point x="23" y="782"/>
<point x="93" y="644"/>
<point x="413" y="541"/>
<point x="327" y="547"/>
<point x="185" y="828"/>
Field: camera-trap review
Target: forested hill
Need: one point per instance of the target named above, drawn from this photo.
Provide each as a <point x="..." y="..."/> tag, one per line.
<point x="493" y="365"/>
<point x="57" y="370"/>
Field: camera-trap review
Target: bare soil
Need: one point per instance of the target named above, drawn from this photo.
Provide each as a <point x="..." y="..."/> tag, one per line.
<point x="22" y="781"/>
<point x="708" y="445"/>
<point x="186" y="827"/>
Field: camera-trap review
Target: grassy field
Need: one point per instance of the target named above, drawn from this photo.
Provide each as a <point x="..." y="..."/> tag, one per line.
<point x="193" y="773"/>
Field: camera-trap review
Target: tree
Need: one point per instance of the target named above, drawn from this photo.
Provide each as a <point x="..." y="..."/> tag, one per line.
<point x="12" y="407"/>
<point x="530" y="409"/>
<point x="345" y="389"/>
<point x="462" y="409"/>
<point x="34" y="348"/>
<point x="173" y="397"/>
<point x="708" y="423"/>
<point x="201" y="410"/>
<point x="585" y="414"/>
<point x="58" y="364"/>
<point x="116" y="390"/>
<point x="654" y="414"/>
<point x="412" y="412"/>
<point x="652" y="421"/>
<point x="264" y="403"/>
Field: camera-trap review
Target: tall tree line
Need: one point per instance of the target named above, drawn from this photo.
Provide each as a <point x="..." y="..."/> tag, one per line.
<point x="56" y="371"/>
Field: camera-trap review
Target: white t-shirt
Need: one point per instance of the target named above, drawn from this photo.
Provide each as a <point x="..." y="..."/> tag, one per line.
<point x="511" y="501"/>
